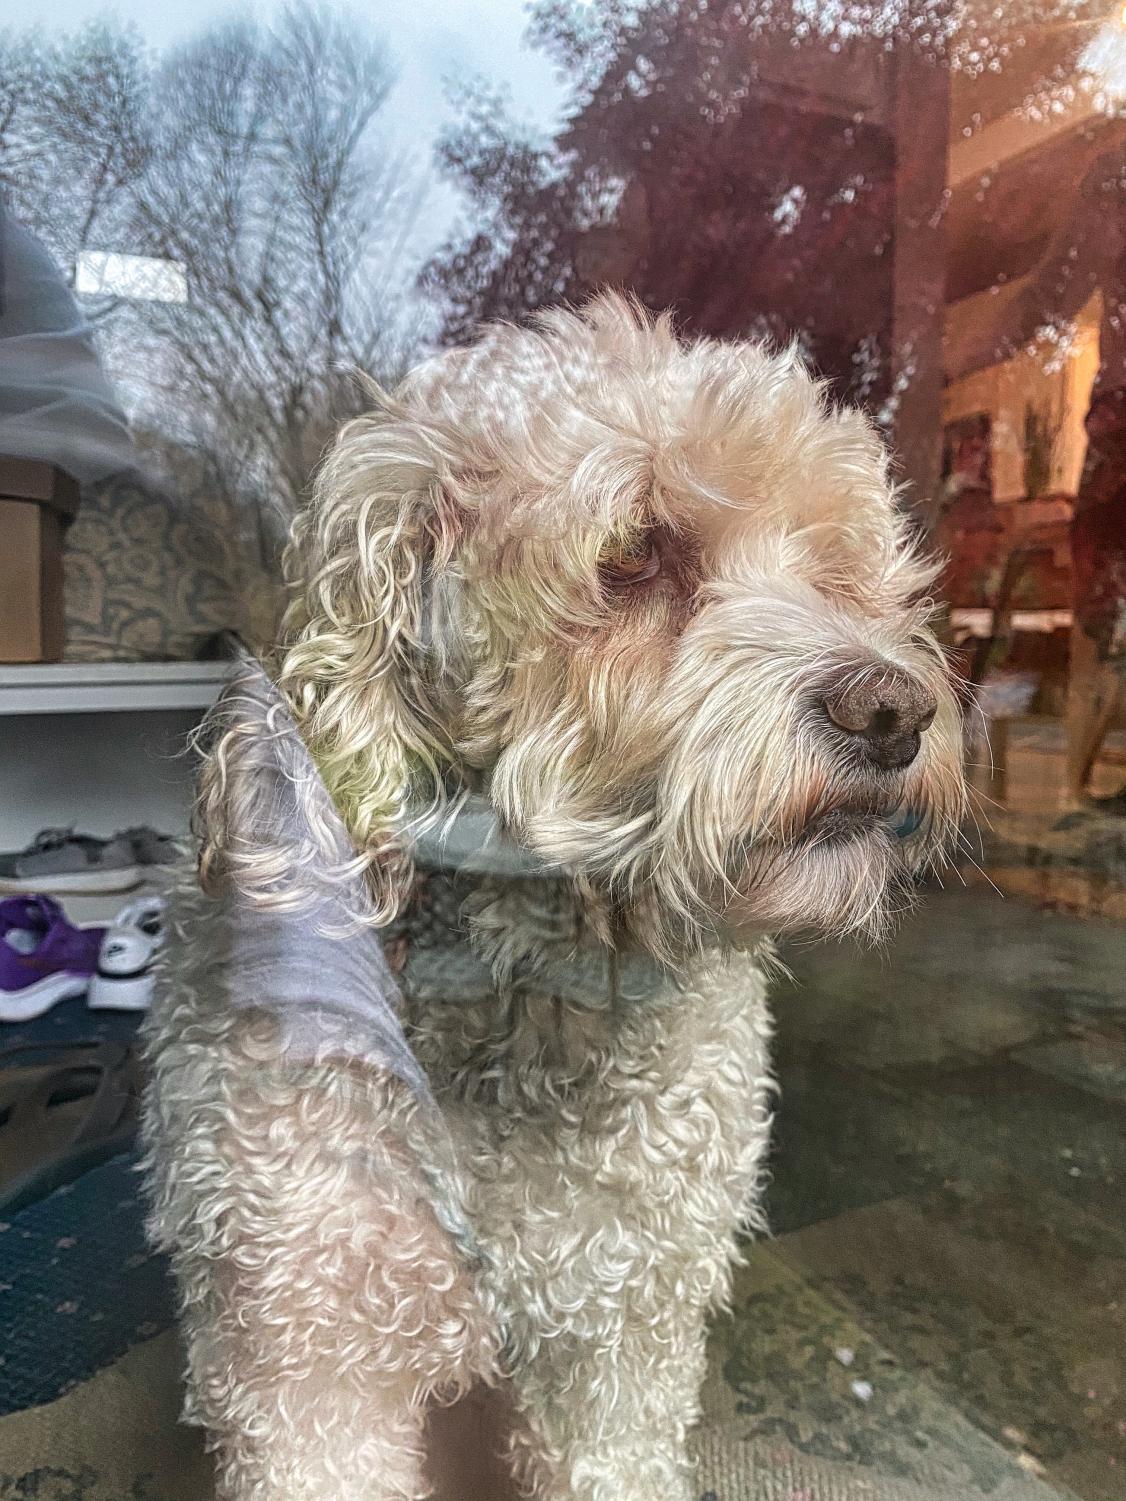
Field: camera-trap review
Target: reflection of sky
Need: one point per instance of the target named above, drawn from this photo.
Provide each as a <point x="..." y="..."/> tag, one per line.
<point x="431" y="41"/>
<point x="1105" y="57"/>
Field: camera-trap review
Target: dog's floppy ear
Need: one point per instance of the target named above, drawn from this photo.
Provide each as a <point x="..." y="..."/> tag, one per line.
<point x="353" y="670"/>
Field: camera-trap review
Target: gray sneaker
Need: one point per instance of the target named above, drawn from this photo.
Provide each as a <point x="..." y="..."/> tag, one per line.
<point x="152" y="848"/>
<point x="60" y="862"/>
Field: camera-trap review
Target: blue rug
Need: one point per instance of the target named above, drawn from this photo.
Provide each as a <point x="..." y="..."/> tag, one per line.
<point x="78" y="1285"/>
<point x="71" y="1021"/>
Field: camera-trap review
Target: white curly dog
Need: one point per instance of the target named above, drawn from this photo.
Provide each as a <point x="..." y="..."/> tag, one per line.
<point x="652" y="604"/>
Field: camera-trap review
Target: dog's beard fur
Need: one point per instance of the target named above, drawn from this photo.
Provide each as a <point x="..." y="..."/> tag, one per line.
<point x="666" y="739"/>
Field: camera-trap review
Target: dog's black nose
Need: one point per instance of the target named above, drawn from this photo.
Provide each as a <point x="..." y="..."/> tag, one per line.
<point x="885" y="711"/>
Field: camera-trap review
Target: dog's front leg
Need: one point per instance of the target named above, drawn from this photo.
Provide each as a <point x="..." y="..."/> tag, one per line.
<point x="604" y="1414"/>
<point x="323" y="1303"/>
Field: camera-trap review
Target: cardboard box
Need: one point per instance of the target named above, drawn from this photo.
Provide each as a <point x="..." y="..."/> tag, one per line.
<point x="36" y="502"/>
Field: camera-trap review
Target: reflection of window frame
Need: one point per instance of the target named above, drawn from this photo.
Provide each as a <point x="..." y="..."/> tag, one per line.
<point x="1055" y="373"/>
<point x="967" y="451"/>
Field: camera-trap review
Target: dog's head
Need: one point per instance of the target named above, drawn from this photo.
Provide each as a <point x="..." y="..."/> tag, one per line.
<point x="656" y="600"/>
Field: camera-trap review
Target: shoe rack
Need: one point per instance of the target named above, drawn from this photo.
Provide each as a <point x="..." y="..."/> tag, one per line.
<point x="99" y="746"/>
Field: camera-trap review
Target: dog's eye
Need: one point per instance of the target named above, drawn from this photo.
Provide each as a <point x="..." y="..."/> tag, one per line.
<point x="630" y="559"/>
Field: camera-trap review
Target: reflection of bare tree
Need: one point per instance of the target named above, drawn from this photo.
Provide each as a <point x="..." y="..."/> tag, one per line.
<point x="73" y="134"/>
<point x="247" y="158"/>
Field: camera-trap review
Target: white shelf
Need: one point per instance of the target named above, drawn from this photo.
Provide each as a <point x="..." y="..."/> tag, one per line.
<point x="108" y="687"/>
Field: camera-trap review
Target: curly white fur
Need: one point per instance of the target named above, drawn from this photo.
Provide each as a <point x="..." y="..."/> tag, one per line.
<point x="462" y="620"/>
